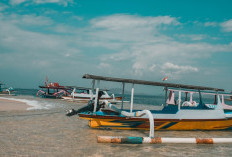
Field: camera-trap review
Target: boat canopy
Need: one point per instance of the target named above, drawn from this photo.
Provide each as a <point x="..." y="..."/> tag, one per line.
<point x="196" y="91"/>
<point x="152" y="83"/>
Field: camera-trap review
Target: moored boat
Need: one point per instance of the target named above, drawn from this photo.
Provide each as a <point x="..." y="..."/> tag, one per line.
<point x="85" y="94"/>
<point x="174" y="115"/>
<point x="53" y="90"/>
<point x="4" y="90"/>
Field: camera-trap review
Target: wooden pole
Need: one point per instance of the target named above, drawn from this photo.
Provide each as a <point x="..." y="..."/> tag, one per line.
<point x="159" y="140"/>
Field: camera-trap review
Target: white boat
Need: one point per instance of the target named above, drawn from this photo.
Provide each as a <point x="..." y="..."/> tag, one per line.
<point x="85" y="94"/>
<point x="5" y="91"/>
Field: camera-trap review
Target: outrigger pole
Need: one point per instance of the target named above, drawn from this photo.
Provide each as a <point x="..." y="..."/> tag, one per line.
<point x="159" y="140"/>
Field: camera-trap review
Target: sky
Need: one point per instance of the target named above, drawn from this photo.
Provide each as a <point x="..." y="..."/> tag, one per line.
<point x="188" y="41"/>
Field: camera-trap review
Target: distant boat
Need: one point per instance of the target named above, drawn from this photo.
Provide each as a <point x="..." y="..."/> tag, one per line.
<point x="4" y="90"/>
<point x="53" y="90"/>
<point x="85" y="94"/>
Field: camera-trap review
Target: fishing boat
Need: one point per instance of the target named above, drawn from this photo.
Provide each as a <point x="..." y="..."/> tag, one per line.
<point x="175" y="114"/>
<point x="85" y="94"/>
<point x="53" y="90"/>
<point x="4" y="90"/>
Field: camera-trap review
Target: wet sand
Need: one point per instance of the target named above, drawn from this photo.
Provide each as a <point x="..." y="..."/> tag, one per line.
<point x="50" y="133"/>
<point x="10" y="105"/>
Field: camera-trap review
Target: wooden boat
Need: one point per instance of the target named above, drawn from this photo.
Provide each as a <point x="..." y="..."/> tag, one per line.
<point x="4" y="90"/>
<point x="85" y="94"/>
<point x="53" y="90"/>
<point x="171" y="117"/>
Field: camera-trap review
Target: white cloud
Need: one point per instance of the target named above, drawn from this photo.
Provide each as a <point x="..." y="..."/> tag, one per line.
<point x="193" y="37"/>
<point x="145" y="48"/>
<point x="152" y="68"/>
<point x="3" y="6"/>
<point x="26" y="20"/>
<point x="104" y="65"/>
<point x="210" y="24"/>
<point x="116" y="22"/>
<point x="138" y="68"/>
<point x="78" y="18"/>
<point x="35" y="20"/>
<point x="107" y="68"/>
<point x="151" y="47"/>
<point x="124" y="30"/>
<point x="227" y="26"/>
<point x="170" y="68"/>
<point x="17" y="2"/>
<point x="34" y="49"/>
<point x="139" y="47"/>
<point x="60" y="2"/>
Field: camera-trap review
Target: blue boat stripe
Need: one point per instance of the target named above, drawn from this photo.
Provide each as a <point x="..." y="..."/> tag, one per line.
<point x="169" y="125"/>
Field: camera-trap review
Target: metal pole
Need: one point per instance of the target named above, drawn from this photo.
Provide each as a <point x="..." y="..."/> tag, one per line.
<point x="166" y="94"/>
<point x="123" y="88"/>
<point x="132" y="98"/>
<point x="191" y="97"/>
<point x="93" y="84"/>
<point x="73" y="92"/>
<point x="179" y="100"/>
<point x="96" y="97"/>
<point x="98" y="83"/>
<point x="200" y="103"/>
<point x="95" y="102"/>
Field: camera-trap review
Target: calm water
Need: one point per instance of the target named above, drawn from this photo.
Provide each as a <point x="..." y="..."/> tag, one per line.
<point x="44" y="130"/>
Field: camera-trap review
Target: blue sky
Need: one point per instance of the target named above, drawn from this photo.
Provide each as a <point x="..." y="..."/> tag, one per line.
<point x="188" y="41"/>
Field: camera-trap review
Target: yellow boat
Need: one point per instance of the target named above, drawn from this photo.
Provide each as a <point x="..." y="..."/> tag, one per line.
<point x="188" y="115"/>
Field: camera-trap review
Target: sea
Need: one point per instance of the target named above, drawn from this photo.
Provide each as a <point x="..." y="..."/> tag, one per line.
<point x="44" y="130"/>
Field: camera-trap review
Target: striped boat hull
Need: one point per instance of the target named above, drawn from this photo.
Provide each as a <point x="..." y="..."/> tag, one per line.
<point x="114" y="122"/>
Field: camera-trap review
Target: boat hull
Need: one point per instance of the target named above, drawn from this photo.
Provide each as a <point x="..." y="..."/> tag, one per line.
<point x="50" y="97"/>
<point x="115" y="122"/>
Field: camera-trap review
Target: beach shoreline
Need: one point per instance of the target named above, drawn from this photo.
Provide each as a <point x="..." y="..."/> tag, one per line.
<point x="12" y="105"/>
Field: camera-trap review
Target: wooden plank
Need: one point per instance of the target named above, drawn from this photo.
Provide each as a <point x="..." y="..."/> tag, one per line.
<point x="151" y="83"/>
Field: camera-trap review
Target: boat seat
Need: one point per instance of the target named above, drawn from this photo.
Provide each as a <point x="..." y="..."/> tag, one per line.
<point x="201" y="106"/>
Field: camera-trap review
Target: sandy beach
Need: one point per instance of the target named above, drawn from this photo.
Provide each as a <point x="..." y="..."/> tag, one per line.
<point x="10" y="105"/>
<point x="48" y="132"/>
